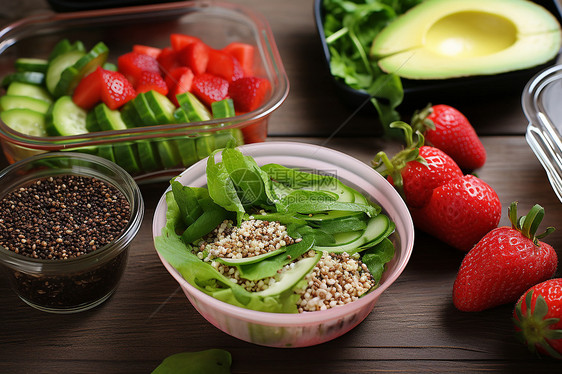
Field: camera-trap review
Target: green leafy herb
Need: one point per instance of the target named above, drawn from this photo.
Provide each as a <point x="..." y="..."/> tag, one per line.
<point x="211" y="361"/>
<point x="350" y="27"/>
<point x="376" y="257"/>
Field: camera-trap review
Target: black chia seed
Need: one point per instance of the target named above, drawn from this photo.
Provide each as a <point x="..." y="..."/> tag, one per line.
<point x="62" y="217"/>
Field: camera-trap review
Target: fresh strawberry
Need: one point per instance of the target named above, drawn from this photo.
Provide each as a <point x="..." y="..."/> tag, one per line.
<point x="180" y="41"/>
<point x="504" y="263"/>
<point x="459" y="212"/>
<point x="133" y="64"/>
<point x="116" y="90"/>
<point x="195" y="56"/>
<point x="244" y="53"/>
<point x="146" y="50"/>
<point x="168" y="60"/>
<point x="88" y="91"/>
<point x="179" y="81"/>
<point x="538" y="318"/>
<point x="248" y="93"/>
<point x="416" y="170"/>
<point x="209" y="88"/>
<point x="108" y="86"/>
<point x="446" y="128"/>
<point x="224" y="65"/>
<point x="150" y="80"/>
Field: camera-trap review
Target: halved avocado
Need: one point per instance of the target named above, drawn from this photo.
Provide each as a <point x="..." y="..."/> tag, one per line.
<point x="441" y="39"/>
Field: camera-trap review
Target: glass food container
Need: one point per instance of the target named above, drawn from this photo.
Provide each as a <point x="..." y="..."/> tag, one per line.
<point x="176" y="146"/>
<point x="78" y="283"/>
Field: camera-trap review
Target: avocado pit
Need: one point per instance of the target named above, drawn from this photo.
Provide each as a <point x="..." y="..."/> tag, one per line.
<point x="470" y="33"/>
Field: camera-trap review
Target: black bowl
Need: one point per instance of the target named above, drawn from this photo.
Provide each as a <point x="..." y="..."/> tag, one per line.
<point x="417" y="93"/>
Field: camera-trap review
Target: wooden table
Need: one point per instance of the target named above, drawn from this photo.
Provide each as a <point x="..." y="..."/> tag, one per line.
<point x="413" y="328"/>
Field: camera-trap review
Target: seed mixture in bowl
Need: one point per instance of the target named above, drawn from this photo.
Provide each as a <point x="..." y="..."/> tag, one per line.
<point x="62" y="217"/>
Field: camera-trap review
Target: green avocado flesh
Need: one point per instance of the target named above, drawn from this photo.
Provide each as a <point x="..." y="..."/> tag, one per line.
<point x="441" y="39"/>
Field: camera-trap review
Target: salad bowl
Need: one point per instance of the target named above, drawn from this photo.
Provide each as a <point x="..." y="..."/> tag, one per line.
<point x="308" y="328"/>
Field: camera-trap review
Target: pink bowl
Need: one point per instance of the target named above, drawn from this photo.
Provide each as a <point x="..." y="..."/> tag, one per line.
<point x="305" y="329"/>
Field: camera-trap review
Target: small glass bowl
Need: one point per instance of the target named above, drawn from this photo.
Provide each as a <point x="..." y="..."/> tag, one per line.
<point x="80" y="283"/>
<point x="216" y="23"/>
<point x="310" y="328"/>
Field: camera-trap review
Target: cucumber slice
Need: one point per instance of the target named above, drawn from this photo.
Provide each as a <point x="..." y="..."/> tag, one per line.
<point x="8" y="102"/>
<point x="329" y="215"/>
<point x="195" y="109"/>
<point x="290" y="278"/>
<point x="31" y="77"/>
<point x="109" y="119"/>
<point x="31" y="64"/>
<point x="377" y="228"/>
<point x="161" y="106"/>
<point x="71" y="75"/>
<point x="169" y="154"/>
<point x="147" y="116"/>
<point x="130" y="115"/>
<point x="66" y="118"/>
<point x="205" y="145"/>
<point x="180" y="116"/>
<point x="57" y="66"/>
<point x="106" y="151"/>
<point x="92" y="124"/>
<point x="65" y="46"/>
<point x="187" y="151"/>
<point x="29" y="90"/>
<point x="343" y="238"/>
<point x="249" y="260"/>
<point x="148" y="157"/>
<point x="26" y="121"/>
<point x="110" y="66"/>
<point x="223" y="108"/>
<point x="126" y="157"/>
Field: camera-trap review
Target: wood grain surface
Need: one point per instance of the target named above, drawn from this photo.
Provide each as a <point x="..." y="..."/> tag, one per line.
<point x="414" y="326"/>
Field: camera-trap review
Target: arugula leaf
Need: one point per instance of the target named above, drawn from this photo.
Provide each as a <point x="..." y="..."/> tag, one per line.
<point x="210" y="361"/>
<point x="350" y="27"/>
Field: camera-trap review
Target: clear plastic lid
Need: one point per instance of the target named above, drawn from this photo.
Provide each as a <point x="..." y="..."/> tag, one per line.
<point x="542" y="106"/>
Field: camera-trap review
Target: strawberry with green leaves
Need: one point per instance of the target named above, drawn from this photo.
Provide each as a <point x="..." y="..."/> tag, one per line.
<point x="416" y="170"/>
<point x="505" y="263"/>
<point x="446" y="128"/>
<point x="538" y="318"/>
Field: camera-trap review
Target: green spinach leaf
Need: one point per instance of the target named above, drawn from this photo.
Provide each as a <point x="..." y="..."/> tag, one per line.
<point x="376" y="257"/>
<point x="211" y="361"/>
